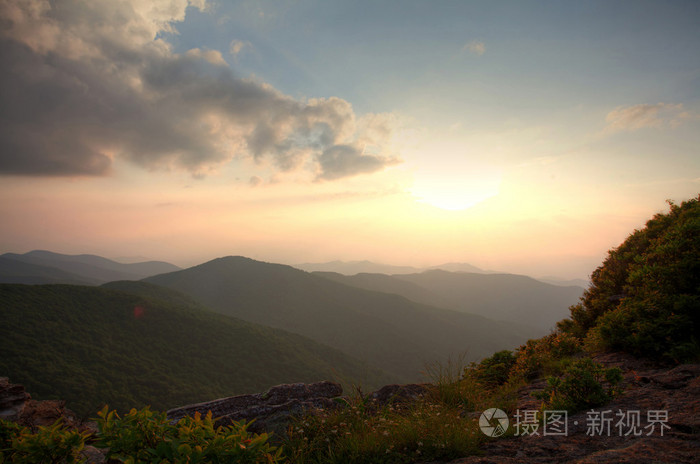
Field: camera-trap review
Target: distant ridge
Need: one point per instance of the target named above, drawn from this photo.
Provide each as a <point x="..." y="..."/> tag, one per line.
<point x="393" y="333"/>
<point x="13" y="271"/>
<point x="49" y="267"/>
<point x="565" y="282"/>
<point x="503" y="297"/>
<point x="369" y="267"/>
<point x="356" y="267"/>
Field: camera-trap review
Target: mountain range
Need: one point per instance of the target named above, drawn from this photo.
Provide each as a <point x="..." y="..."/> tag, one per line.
<point x="358" y="267"/>
<point x="503" y="297"/>
<point x="46" y="267"/>
<point x="275" y="324"/>
<point x="390" y="331"/>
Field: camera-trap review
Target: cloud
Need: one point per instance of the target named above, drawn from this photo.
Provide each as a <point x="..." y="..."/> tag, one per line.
<point x="345" y="160"/>
<point x="635" y="117"/>
<point x="85" y="83"/>
<point x="476" y="47"/>
<point x="238" y="46"/>
<point x="212" y="56"/>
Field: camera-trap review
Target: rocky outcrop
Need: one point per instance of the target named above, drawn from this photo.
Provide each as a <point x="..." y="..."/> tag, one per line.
<point x="271" y="410"/>
<point x="17" y="405"/>
<point x="398" y="394"/>
<point x="673" y="391"/>
<point x="12" y="399"/>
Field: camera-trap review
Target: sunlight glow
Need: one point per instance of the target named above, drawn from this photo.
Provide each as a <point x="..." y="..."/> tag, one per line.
<point x="455" y="194"/>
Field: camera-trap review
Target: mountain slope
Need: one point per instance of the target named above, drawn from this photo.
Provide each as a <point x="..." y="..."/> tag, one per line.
<point x="356" y="267"/>
<point x="505" y="297"/>
<point x="389" y="284"/>
<point x="13" y="271"/>
<point x="496" y="296"/>
<point x="91" y="268"/>
<point x="351" y="268"/>
<point x="92" y="345"/>
<point x="393" y="333"/>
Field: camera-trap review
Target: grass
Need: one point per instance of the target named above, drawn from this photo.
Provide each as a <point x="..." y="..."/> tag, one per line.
<point x="425" y="430"/>
<point x="442" y="425"/>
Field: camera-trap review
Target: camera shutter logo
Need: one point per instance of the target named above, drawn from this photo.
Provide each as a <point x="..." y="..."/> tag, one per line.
<point x="493" y="422"/>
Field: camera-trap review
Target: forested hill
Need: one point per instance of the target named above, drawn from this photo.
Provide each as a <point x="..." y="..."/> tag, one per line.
<point x="397" y="335"/>
<point x="47" y="267"/>
<point x="503" y="297"/>
<point x="91" y="346"/>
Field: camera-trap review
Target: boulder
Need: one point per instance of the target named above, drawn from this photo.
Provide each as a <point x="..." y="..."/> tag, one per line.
<point x="271" y="411"/>
<point x="398" y="394"/>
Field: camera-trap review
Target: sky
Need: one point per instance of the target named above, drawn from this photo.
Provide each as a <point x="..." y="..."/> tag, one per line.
<point x="521" y="136"/>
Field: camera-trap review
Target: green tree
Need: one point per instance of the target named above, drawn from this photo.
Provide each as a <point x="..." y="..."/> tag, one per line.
<point x="645" y="297"/>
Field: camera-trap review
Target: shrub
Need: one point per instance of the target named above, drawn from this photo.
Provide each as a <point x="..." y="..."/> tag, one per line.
<point x="51" y="444"/>
<point x="495" y="369"/>
<point x="541" y="356"/>
<point x="645" y="297"/>
<point x="146" y="436"/>
<point x="581" y="386"/>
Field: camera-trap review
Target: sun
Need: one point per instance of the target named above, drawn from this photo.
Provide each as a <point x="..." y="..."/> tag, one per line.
<point x="453" y="193"/>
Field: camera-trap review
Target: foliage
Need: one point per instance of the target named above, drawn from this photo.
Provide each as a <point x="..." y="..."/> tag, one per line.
<point x="435" y="427"/>
<point x="51" y="444"/>
<point x="145" y="436"/>
<point x="8" y="430"/>
<point x="449" y="387"/>
<point x="581" y="386"/>
<point x="426" y="430"/>
<point x="495" y="369"/>
<point x="93" y="346"/>
<point x="645" y="297"/>
<point x="542" y="356"/>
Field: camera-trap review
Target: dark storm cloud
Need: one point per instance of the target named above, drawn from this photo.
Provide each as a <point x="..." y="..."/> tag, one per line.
<point x="82" y="85"/>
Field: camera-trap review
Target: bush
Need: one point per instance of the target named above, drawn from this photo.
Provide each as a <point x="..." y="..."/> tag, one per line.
<point x="645" y="298"/>
<point x="495" y="369"/>
<point x="52" y="444"/>
<point x="146" y="436"/>
<point x="581" y="386"/>
<point x="542" y="356"/>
